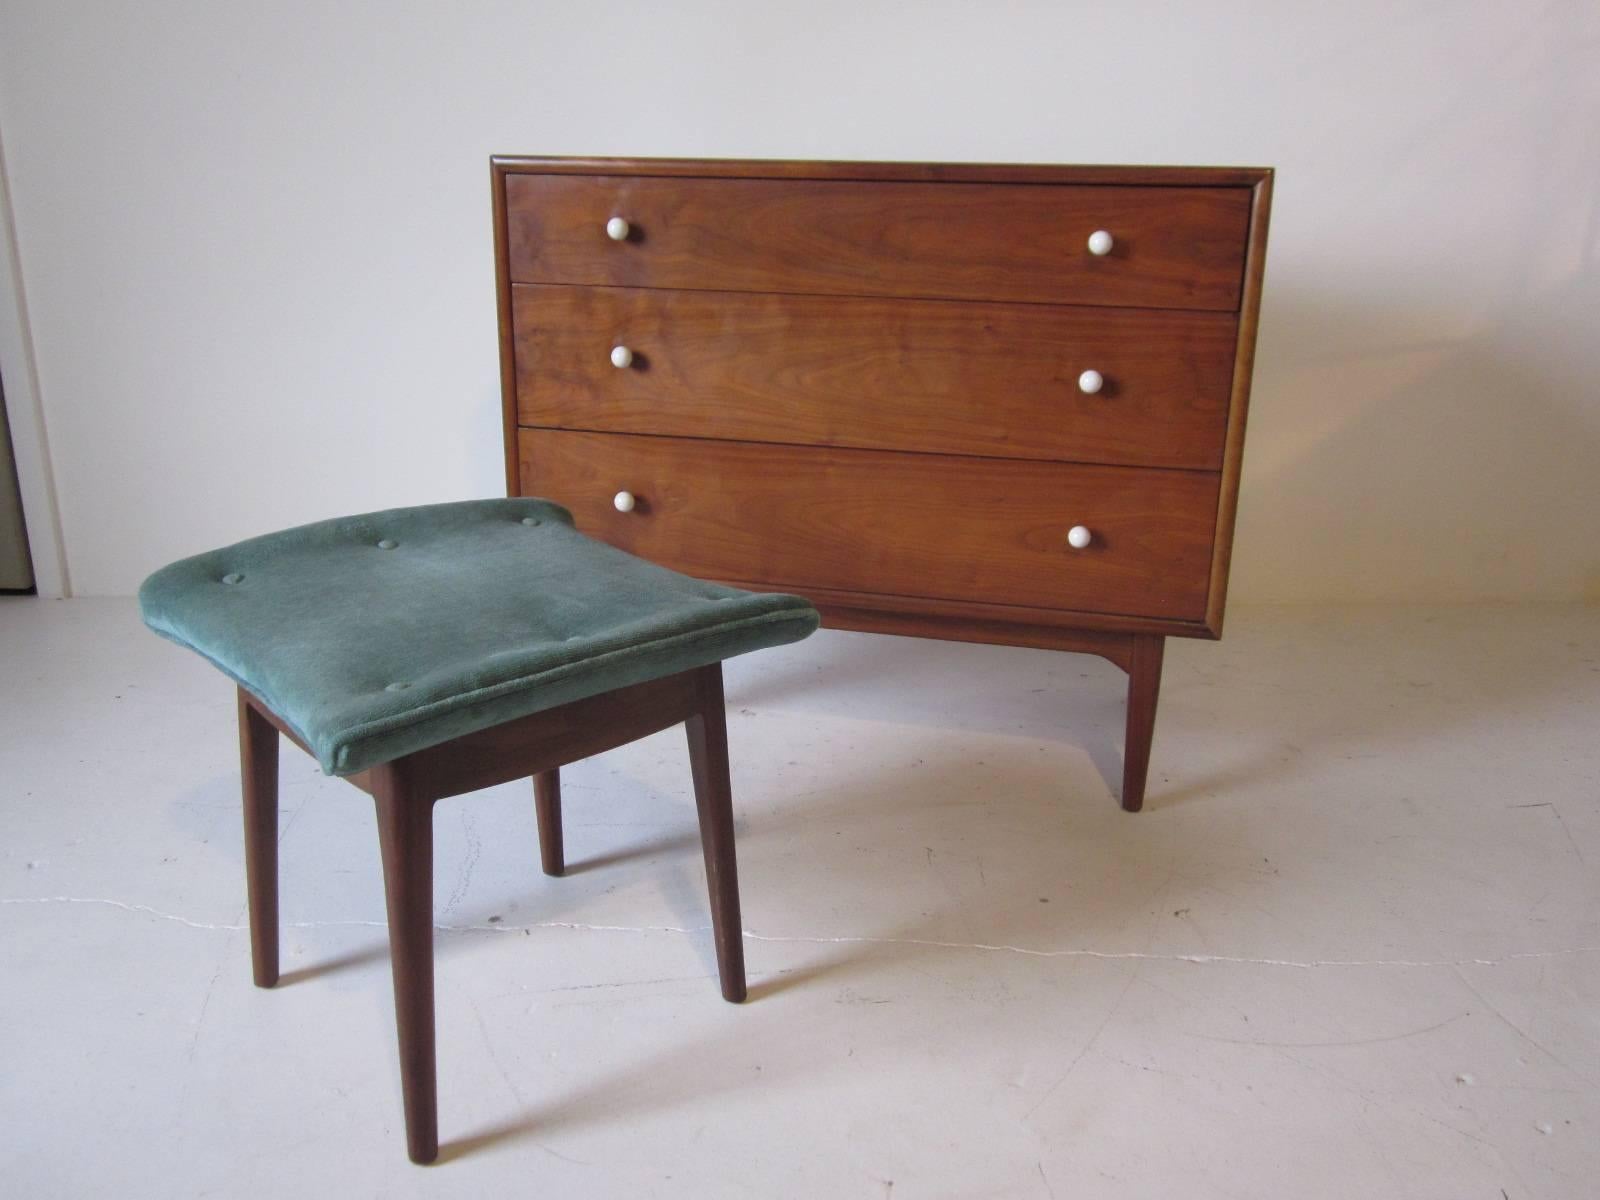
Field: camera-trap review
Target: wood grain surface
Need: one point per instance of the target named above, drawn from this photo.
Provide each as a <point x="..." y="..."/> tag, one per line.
<point x="872" y="521"/>
<point x="925" y="375"/>
<point x="1255" y="266"/>
<point x="1174" y="247"/>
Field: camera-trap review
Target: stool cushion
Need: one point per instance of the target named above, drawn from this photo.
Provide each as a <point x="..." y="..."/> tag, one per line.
<point x="378" y="635"/>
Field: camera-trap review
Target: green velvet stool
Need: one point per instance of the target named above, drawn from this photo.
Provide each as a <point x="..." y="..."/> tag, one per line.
<point x="422" y="653"/>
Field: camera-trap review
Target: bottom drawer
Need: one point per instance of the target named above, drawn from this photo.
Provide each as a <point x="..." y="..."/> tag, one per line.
<point x="938" y="526"/>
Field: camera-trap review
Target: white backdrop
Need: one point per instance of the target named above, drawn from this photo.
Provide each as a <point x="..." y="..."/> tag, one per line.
<point x="255" y="245"/>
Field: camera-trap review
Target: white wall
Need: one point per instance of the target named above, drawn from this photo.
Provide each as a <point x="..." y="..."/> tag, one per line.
<point x="255" y="240"/>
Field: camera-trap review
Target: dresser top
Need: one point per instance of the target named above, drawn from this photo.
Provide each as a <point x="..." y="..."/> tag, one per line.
<point x="886" y="172"/>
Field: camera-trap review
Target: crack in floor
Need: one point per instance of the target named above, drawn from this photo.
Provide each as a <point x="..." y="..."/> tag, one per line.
<point x="864" y="940"/>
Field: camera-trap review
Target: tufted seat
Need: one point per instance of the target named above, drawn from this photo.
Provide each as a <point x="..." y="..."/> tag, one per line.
<point x="379" y="635"/>
<point x="423" y="653"/>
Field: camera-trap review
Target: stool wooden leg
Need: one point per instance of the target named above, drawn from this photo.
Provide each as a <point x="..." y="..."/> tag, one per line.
<point x="258" y="771"/>
<point x="547" y="808"/>
<point x="1144" y="688"/>
<point x="713" y="796"/>
<point x="405" y="834"/>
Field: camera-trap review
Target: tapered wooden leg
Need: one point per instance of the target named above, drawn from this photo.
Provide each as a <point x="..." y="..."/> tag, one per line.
<point x="547" y="808"/>
<point x="713" y="796"/>
<point x="258" y="770"/>
<point x="405" y="834"/>
<point x="1144" y="687"/>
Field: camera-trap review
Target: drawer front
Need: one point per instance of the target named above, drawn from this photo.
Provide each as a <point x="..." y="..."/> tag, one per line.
<point x="898" y="524"/>
<point x="1171" y="247"/>
<point x="985" y="379"/>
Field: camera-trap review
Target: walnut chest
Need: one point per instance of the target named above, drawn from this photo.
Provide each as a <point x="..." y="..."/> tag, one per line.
<point x="988" y="403"/>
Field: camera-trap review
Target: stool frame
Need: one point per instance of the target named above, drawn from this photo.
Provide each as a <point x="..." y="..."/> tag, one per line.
<point x="404" y="792"/>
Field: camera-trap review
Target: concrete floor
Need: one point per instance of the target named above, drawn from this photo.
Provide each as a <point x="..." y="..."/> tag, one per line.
<point x="1351" y="947"/>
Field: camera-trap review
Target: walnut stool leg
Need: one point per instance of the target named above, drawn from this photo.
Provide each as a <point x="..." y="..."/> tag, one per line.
<point x="258" y="770"/>
<point x="713" y="796"/>
<point x="405" y="834"/>
<point x="1144" y="687"/>
<point x="547" y="808"/>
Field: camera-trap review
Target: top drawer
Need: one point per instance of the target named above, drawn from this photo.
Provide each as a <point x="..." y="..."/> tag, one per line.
<point x="1171" y="247"/>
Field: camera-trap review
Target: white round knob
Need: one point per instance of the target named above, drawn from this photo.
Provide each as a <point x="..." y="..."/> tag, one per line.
<point x="1100" y="242"/>
<point x="617" y="230"/>
<point x="1089" y="382"/>
<point x="1079" y="537"/>
<point x="621" y="356"/>
<point x="623" y="501"/>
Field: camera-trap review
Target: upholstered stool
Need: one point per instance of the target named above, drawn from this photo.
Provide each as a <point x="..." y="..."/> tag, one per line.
<point x="425" y="652"/>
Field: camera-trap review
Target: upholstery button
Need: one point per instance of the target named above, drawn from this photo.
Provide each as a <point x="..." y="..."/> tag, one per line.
<point x="387" y="544"/>
<point x="233" y="577"/>
<point x="396" y="687"/>
<point x="530" y="522"/>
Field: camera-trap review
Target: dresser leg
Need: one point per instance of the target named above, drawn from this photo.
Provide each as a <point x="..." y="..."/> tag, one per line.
<point x="1144" y="686"/>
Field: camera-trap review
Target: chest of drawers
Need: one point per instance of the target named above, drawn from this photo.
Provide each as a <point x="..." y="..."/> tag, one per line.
<point x="988" y="403"/>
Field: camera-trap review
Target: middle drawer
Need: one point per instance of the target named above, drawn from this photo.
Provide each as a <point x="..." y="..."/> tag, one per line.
<point x="998" y="380"/>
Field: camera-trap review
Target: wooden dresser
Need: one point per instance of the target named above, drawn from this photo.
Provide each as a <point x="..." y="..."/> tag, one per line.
<point x="985" y="403"/>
